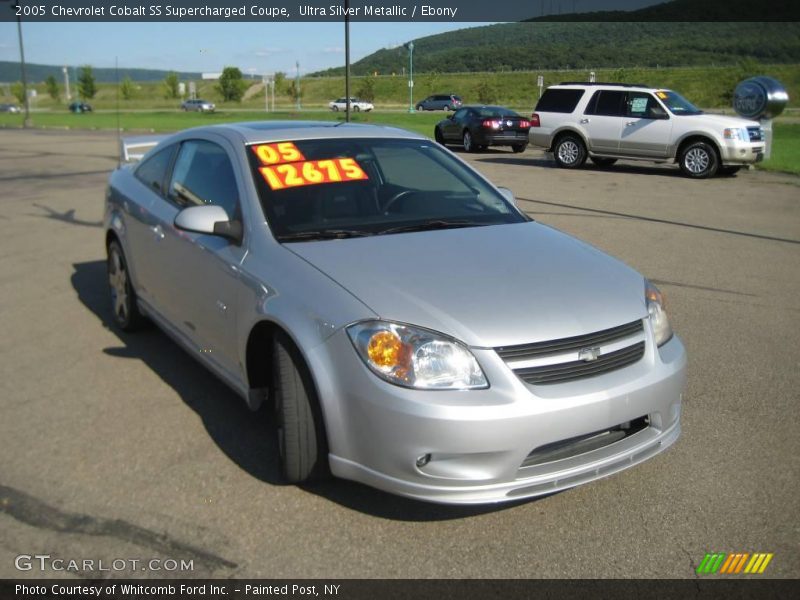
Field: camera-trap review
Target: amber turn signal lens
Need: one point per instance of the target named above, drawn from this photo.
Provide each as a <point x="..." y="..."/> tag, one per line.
<point x="386" y="349"/>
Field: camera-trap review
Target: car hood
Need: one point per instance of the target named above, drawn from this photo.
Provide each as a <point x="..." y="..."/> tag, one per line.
<point x="725" y="120"/>
<point x="487" y="286"/>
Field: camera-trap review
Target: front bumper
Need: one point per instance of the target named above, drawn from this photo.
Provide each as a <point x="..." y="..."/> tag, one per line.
<point x="742" y="153"/>
<point x="478" y="440"/>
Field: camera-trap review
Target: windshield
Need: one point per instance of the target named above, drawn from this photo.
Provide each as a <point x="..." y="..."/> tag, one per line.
<point x="677" y="104"/>
<point x="323" y="189"/>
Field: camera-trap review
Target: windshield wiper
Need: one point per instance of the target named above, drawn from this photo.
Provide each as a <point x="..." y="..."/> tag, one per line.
<point x="323" y="234"/>
<point x="430" y="225"/>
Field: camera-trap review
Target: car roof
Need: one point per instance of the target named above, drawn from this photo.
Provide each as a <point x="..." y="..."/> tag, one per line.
<point x="590" y="85"/>
<point x="267" y="131"/>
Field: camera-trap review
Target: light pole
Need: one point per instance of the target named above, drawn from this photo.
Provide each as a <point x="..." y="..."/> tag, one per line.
<point x="27" y="121"/>
<point x="66" y="82"/>
<point x="410" y="47"/>
<point x="297" y="84"/>
<point x="347" y="61"/>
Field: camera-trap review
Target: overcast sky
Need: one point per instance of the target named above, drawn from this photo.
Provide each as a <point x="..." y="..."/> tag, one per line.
<point x="253" y="47"/>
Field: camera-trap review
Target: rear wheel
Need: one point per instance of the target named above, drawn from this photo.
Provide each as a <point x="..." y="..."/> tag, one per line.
<point x="356" y="108"/>
<point x="699" y="160"/>
<point x="519" y="148"/>
<point x="335" y="108"/>
<point x="603" y="162"/>
<point x="419" y="107"/>
<point x="466" y="141"/>
<point x="123" y="297"/>
<point x="301" y="435"/>
<point x="569" y="152"/>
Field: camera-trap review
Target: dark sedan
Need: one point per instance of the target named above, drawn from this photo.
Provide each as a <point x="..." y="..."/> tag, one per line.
<point x="80" y="107"/>
<point x="477" y="127"/>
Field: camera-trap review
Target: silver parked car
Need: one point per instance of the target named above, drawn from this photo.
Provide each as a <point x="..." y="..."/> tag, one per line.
<point x="198" y="105"/>
<point x="409" y="325"/>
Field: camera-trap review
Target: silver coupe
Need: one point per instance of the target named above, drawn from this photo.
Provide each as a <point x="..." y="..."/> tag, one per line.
<point x="409" y="325"/>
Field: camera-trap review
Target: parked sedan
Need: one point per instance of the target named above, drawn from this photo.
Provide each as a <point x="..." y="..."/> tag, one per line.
<point x="356" y="105"/>
<point x="409" y="326"/>
<point x="80" y="107"/>
<point x="198" y="105"/>
<point x="477" y="127"/>
<point x="10" y="108"/>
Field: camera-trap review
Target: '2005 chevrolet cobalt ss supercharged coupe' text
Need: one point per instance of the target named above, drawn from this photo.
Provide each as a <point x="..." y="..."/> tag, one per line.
<point x="411" y="328"/>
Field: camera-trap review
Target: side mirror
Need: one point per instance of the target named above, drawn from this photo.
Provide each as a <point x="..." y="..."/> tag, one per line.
<point x="211" y="220"/>
<point x="508" y="195"/>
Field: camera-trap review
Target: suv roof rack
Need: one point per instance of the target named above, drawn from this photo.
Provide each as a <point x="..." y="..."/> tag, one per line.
<point x="641" y="85"/>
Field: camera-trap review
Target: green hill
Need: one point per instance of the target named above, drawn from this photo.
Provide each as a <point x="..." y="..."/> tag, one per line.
<point x="9" y="72"/>
<point x="583" y="45"/>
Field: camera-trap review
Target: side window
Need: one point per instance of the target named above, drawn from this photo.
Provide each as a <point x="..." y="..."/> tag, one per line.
<point x="460" y="114"/>
<point x="643" y="106"/>
<point x="609" y="103"/>
<point x="559" y="100"/>
<point x="153" y="171"/>
<point x="203" y="174"/>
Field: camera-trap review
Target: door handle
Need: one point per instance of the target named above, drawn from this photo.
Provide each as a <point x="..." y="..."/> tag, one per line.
<point x="584" y="121"/>
<point x="630" y="123"/>
<point x="158" y="232"/>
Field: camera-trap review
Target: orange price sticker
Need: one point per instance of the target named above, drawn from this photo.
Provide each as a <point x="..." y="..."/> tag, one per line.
<point x="312" y="172"/>
<point x="661" y="95"/>
<point x="275" y="154"/>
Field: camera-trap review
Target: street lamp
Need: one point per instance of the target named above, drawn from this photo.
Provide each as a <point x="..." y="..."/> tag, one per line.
<point x="66" y="82"/>
<point x="410" y="46"/>
<point x="27" y="121"/>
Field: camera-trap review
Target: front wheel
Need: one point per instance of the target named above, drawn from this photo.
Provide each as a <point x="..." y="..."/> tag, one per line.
<point x="699" y="160"/>
<point x="123" y="297"/>
<point x="356" y="108"/>
<point x="437" y="135"/>
<point x="301" y="435"/>
<point x="518" y="148"/>
<point x="419" y="108"/>
<point x="335" y="108"/>
<point x="603" y="162"/>
<point x="569" y="152"/>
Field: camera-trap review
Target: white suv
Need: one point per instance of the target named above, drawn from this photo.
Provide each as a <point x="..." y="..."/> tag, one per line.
<point x="608" y="121"/>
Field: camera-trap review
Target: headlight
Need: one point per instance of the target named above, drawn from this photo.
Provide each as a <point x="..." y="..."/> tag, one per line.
<point x="658" y="315"/>
<point x="416" y="358"/>
<point x="737" y="134"/>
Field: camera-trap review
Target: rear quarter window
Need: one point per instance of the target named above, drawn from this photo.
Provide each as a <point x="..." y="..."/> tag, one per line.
<point x="559" y="100"/>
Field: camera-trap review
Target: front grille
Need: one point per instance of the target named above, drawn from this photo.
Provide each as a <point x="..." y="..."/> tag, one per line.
<point x="756" y="134"/>
<point x="571" y="367"/>
<point x="584" y="443"/>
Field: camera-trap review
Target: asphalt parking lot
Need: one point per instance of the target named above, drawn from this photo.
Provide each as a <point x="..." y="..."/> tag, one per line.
<point x="122" y="446"/>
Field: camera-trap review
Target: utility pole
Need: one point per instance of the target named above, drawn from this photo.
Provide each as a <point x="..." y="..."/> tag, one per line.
<point x="297" y="84"/>
<point x="27" y="121"/>
<point x="410" y="47"/>
<point x="347" y="60"/>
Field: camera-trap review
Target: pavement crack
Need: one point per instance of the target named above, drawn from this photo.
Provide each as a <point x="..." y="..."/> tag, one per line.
<point x="34" y="512"/>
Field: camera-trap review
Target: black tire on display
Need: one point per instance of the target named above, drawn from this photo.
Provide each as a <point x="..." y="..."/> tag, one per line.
<point x="569" y="152"/>
<point x="699" y="160"/>
<point x="124" y="306"/>
<point x="301" y="434"/>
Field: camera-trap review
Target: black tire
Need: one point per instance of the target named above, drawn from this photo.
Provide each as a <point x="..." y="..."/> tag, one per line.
<point x="519" y="148"/>
<point x="335" y="108"/>
<point x="729" y="171"/>
<point x="569" y="152"/>
<point x="419" y="108"/>
<point x="437" y="135"/>
<point x="124" y="307"/>
<point x="447" y="107"/>
<point x="699" y="160"/>
<point x="603" y="162"/>
<point x="301" y="435"/>
<point x="467" y="143"/>
<point x="356" y="108"/>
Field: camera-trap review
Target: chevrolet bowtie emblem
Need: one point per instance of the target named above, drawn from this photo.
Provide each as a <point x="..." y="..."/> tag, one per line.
<point x="589" y="354"/>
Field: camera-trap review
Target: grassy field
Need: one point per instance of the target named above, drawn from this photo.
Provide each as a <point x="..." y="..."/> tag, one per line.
<point x="785" y="150"/>
<point x="709" y="87"/>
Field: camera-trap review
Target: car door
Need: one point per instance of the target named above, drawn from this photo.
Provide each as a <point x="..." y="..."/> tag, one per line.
<point x="455" y="125"/>
<point x="647" y="127"/>
<point x="200" y="273"/>
<point x="142" y="225"/>
<point x="603" y="120"/>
